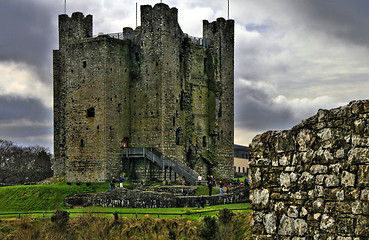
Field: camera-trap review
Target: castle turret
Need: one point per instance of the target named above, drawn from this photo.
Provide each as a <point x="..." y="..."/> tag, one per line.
<point x="221" y="35"/>
<point x="74" y="28"/>
<point x="156" y="96"/>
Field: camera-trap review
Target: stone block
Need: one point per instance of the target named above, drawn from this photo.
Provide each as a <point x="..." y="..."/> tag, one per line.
<point x="359" y="207"/>
<point x="345" y="226"/>
<point x="363" y="178"/>
<point x="285" y="181"/>
<point x="318" y="205"/>
<point x="293" y="212"/>
<point x="270" y="223"/>
<point x="260" y="197"/>
<point x="358" y="156"/>
<point x="306" y="180"/>
<point x="347" y="179"/>
<point x="328" y="224"/>
<point x="362" y="226"/>
<point x="332" y="181"/>
<point x="364" y="195"/>
<point x="316" y="169"/>
<point x="286" y="226"/>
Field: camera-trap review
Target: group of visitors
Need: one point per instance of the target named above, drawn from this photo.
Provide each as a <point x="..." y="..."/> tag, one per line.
<point x="113" y="181"/>
<point x="212" y="183"/>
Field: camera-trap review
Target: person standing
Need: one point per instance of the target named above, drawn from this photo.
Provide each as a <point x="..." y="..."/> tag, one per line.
<point x="121" y="179"/>
<point x="227" y="188"/>
<point x="112" y="184"/>
<point x="221" y="187"/>
<point x="210" y="185"/>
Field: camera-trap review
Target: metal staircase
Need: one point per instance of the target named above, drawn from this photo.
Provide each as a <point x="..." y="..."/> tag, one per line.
<point x="162" y="161"/>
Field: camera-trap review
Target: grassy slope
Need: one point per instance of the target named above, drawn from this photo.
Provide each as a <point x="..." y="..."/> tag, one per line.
<point x="42" y="197"/>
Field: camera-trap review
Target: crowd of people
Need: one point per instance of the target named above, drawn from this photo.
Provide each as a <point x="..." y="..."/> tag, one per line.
<point x="211" y="182"/>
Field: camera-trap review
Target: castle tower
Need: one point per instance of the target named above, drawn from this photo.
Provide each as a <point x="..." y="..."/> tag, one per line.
<point x="157" y="87"/>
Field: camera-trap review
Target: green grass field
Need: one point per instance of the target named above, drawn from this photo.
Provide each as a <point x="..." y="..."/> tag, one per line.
<point x="48" y="198"/>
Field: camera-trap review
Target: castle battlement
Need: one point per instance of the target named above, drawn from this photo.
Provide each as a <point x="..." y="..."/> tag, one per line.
<point x="156" y="88"/>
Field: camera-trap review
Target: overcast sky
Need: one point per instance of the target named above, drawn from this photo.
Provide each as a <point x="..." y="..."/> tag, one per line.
<point x="292" y="57"/>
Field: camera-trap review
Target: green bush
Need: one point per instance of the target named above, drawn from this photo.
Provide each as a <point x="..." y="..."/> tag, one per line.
<point x="225" y="216"/>
<point x="210" y="228"/>
<point x="60" y="218"/>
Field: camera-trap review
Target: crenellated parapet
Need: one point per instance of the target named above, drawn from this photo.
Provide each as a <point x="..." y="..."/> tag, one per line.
<point x="75" y="27"/>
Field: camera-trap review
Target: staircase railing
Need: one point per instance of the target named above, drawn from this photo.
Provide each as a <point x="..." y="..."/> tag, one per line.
<point x="162" y="161"/>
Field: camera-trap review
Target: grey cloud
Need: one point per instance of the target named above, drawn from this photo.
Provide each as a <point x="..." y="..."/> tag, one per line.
<point x="254" y="109"/>
<point x="12" y="108"/>
<point x="345" y="20"/>
<point x="28" y="32"/>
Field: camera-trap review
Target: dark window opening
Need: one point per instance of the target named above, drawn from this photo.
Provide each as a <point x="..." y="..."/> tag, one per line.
<point x="243" y="169"/>
<point x="137" y="56"/>
<point x="239" y="169"/>
<point x="98" y="127"/>
<point x="82" y="143"/>
<point x="178" y="132"/>
<point x="84" y="63"/>
<point x="91" y="112"/>
<point x="71" y="71"/>
<point x="174" y="121"/>
<point x="220" y="110"/>
<point x="110" y="128"/>
<point x="204" y="141"/>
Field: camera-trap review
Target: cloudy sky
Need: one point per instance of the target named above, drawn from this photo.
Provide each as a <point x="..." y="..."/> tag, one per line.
<point x="292" y="57"/>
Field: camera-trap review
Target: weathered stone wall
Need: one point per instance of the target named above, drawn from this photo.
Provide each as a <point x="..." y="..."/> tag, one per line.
<point x="156" y="88"/>
<point x="122" y="197"/>
<point x="312" y="182"/>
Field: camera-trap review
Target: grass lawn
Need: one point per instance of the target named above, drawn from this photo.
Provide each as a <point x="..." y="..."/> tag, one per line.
<point x="48" y="198"/>
<point x="42" y="197"/>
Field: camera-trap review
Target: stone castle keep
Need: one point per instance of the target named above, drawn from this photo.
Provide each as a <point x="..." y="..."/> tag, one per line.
<point x="152" y="87"/>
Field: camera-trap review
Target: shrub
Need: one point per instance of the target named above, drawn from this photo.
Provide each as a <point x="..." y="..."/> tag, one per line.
<point x="210" y="228"/>
<point x="60" y="218"/>
<point x="225" y="216"/>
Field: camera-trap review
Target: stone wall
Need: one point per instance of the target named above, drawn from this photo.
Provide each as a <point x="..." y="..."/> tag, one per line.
<point x="312" y="182"/>
<point x="122" y="197"/>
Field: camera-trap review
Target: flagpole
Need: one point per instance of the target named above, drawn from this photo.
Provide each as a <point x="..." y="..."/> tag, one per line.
<point x="228" y="9"/>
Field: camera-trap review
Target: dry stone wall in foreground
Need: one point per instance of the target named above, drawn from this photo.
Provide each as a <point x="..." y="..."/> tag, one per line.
<point x="312" y="182"/>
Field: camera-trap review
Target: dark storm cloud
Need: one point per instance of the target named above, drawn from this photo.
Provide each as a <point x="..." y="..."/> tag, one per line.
<point x="255" y="109"/>
<point x="25" y="122"/>
<point x="12" y="108"/>
<point x="28" y="33"/>
<point x="345" y="20"/>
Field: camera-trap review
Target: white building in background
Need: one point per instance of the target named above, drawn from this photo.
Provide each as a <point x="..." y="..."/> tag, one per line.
<point x="241" y="160"/>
